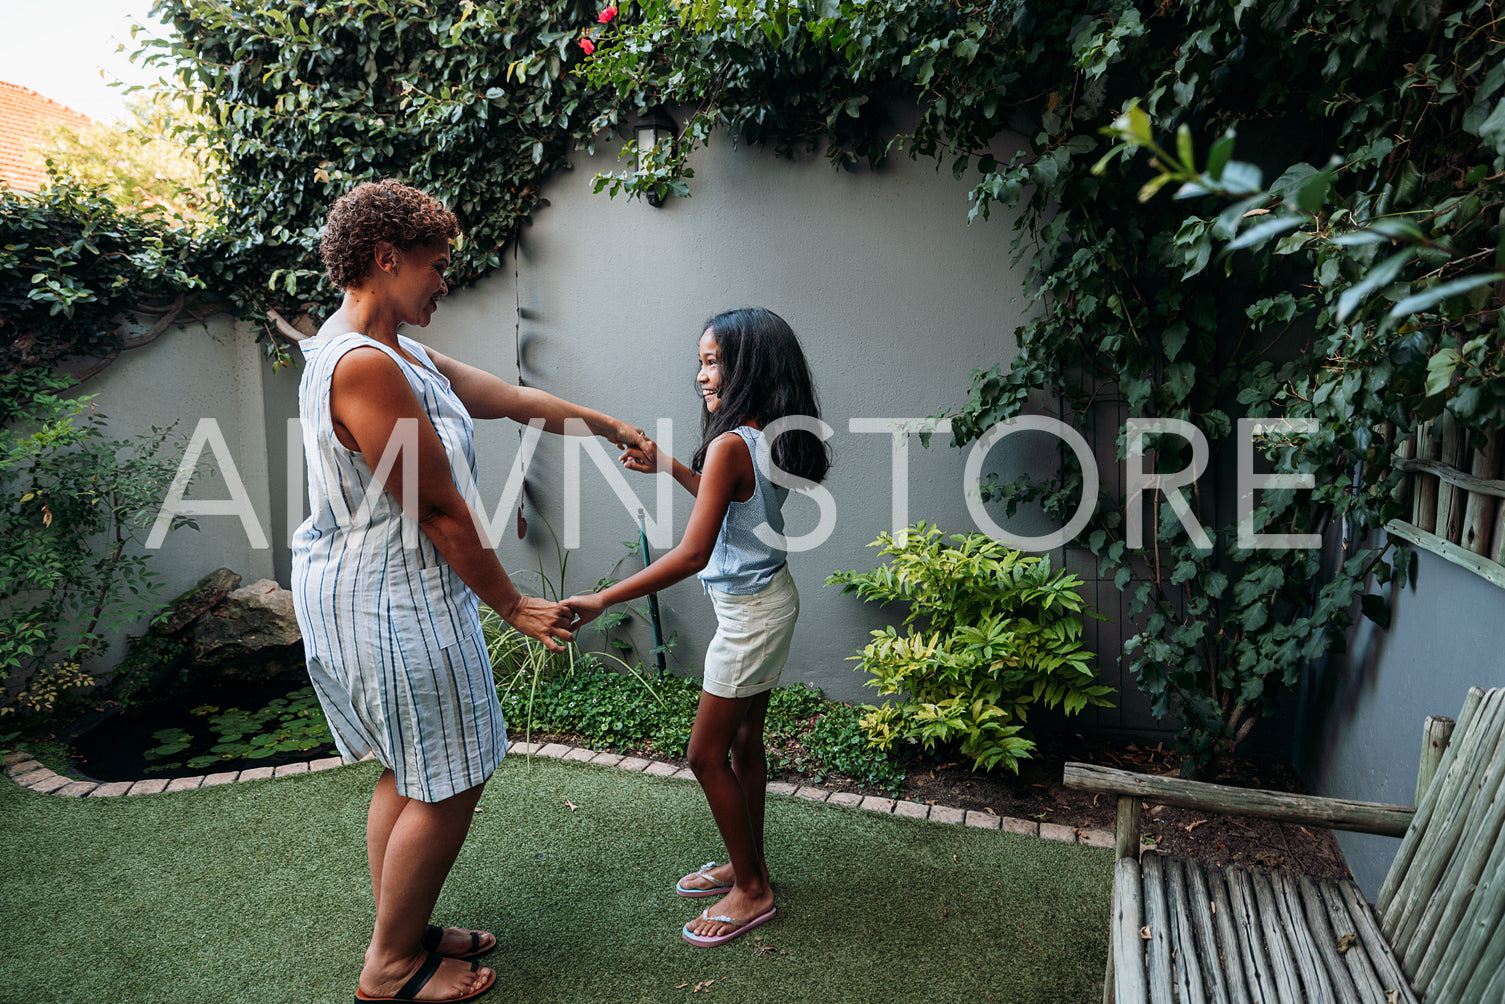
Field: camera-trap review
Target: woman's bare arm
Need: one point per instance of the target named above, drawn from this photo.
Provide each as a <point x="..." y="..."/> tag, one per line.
<point x="368" y="396"/>
<point x="645" y="459"/>
<point x="486" y="395"/>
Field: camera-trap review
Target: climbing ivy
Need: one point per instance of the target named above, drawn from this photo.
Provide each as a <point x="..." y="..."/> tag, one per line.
<point x="1357" y="290"/>
<point x="72" y="263"/>
<point x="474" y="102"/>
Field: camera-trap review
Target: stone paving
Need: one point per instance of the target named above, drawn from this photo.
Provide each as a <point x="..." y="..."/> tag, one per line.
<point x="27" y="772"/>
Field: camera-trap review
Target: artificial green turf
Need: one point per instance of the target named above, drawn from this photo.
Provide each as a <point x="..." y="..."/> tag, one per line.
<point x="258" y="892"/>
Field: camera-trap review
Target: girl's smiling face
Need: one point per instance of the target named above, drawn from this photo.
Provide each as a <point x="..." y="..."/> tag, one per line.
<point x="709" y="377"/>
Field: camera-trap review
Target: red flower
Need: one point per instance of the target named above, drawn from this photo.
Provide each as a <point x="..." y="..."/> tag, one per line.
<point x="608" y="14"/>
<point x="588" y="46"/>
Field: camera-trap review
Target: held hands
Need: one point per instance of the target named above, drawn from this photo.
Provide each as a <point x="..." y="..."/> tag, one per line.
<point x="642" y="458"/>
<point x="541" y="619"/>
<point x="587" y="607"/>
<point x="628" y="436"/>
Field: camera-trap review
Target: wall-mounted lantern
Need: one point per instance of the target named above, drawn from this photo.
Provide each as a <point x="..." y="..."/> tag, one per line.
<point x="655" y="133"/>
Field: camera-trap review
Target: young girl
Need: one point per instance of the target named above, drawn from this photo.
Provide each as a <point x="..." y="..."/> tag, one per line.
<point x="752" y="372"/>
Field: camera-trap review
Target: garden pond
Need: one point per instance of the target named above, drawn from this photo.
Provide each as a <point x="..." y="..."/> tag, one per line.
<point x="238" y="726"/>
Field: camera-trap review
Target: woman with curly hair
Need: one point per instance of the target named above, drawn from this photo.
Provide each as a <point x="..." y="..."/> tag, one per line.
<point x="389" y="614"/>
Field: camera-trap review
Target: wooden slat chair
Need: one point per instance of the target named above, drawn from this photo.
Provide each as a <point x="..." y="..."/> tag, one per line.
<point x="1187" y="933"/>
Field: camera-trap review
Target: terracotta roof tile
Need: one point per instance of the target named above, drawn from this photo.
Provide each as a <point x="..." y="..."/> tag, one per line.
<point x="23" y="114"/>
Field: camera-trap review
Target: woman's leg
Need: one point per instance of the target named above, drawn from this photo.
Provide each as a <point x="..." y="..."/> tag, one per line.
<point x="386" y="806"/>
<point x="718" y="721"/>
<point x="411" y="846"/>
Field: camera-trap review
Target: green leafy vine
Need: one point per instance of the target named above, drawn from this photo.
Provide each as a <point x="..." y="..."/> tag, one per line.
<point x="1358" y="291"/>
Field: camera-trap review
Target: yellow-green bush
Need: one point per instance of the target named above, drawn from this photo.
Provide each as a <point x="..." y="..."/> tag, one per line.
<point x="990" y="632"/>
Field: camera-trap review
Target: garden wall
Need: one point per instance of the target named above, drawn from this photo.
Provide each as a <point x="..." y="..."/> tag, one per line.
<point x="1361" y="718"/>
<point x="896" y="299"/>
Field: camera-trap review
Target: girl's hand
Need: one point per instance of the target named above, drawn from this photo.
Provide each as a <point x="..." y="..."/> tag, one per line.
<point x="541" y="619"/>
<point x="642" y="458"/>
<point x="587" y="607"/>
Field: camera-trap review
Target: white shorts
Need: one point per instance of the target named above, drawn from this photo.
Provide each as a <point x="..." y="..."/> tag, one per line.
<point x="752" y="637"/>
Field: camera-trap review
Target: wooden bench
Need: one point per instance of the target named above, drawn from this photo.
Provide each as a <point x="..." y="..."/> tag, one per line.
<point x="1186" y="933"/>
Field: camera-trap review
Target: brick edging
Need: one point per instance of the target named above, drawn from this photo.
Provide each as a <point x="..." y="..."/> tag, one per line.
<point x="27" y="772"/>
<point x="23" y="769"/>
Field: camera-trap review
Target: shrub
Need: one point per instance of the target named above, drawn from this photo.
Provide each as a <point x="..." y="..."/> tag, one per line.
<point x="989" y="632"/>
<point x="46" y="689"/>
<point x="71" y="504"/>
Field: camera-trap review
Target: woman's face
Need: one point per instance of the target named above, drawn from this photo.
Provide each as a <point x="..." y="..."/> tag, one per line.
<point x="709" y="377"/>
<point x="419" y="281"/>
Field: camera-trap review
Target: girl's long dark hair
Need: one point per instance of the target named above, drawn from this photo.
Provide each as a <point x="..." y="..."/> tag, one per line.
<point x="764" y="376"/>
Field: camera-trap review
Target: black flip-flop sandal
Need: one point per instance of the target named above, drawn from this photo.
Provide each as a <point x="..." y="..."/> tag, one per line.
<point x="435" y="934"/>
<point x="420" y="980"/>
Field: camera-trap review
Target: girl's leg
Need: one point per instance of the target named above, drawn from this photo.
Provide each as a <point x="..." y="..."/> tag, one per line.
<point x="718" y="723"/>
<point x="411" y="847"/>
<point x="750" y="765"/>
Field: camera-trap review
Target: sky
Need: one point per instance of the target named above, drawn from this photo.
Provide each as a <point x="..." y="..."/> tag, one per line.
<point x="68" y="50"/>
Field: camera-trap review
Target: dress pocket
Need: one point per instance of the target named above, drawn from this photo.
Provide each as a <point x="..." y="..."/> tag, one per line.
<point x="428" y="604"/>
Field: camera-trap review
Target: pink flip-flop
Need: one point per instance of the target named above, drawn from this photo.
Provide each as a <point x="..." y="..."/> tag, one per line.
<point x="742" y="928"/>
<point x="680" y="889"/>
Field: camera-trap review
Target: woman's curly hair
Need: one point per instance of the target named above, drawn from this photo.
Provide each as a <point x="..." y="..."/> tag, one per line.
<point x="380" y="211"/>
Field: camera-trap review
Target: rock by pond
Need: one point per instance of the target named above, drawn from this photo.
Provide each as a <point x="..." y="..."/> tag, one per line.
<point x="218" y="682"/>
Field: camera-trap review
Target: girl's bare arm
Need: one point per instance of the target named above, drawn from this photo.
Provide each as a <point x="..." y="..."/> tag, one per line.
<point x="728" y="474"/>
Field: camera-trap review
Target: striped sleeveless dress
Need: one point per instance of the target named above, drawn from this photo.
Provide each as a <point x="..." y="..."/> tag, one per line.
<point x="392" y="635"/>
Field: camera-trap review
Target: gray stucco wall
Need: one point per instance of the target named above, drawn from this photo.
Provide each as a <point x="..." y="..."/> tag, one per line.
<point x="1361" y="719"/>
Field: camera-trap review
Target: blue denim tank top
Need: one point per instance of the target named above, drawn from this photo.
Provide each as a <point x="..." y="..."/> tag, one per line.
<point x="741" y="563"/>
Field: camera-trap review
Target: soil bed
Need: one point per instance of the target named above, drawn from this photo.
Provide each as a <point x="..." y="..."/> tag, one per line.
<point x="1037" y="793"/>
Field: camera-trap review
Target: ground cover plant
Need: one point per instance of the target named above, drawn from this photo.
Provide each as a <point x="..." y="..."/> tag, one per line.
<point x="603" y="708"/>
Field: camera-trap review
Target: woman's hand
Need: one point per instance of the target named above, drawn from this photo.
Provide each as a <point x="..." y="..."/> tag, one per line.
<point x="627" y="436"/>
<point x="642" y="458"/>
<point x="539" y="618"/>
<point x="587" y="607"/>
